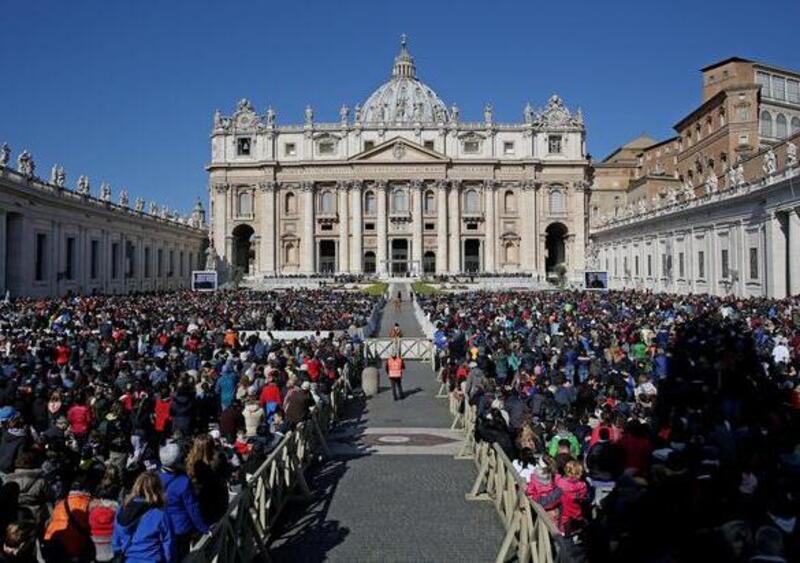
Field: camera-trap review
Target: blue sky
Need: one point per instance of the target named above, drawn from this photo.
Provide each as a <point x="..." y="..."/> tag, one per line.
<point x="124" y="90"/>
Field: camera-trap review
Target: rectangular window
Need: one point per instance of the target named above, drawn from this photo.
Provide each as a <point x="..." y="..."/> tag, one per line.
<point x="180" y="264"/>
<point x="369" y="145"/>
<point x="701" y="264"/>
<point x="753" y="263"/>
<point x="725" y="264"/>
<point x="326" y="147"/>
<point x="636" y="265"/>
<point x="430" y="226"/>
<point x="94" y="259"/>
<point x="649" y="266"/>
<point x="160" y="262"/>
<point x="472" y="226"/>
<point x="793" y="91"/>
<point x="41" y="256"/>
<point x="762" y="78"/>
<point x="681" y="271"/>
<point x="147" y="262"/>
<point x="290" y="149"/>
<point x="779" y="87"/>
<point x="369" y="226"/>
<point x="326" y="227"/>
<point x="625" y="267"/>
<point x="471" y="147"/>
<point x="114" y="260"/>
<point x="130" y="258"/>
<point x="508" y="148"/>
<point x="69" y="271"/>
<point x="554" y="144"/>
<point x="171" y="271"/>
<point x="243" y="146"/>
<point x="428" y="145"/>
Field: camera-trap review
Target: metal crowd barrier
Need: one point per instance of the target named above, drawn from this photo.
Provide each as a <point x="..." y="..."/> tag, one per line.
<point x="531" y="534"/>
<point x="408" y="348"/>
<point x="243" y="533"/>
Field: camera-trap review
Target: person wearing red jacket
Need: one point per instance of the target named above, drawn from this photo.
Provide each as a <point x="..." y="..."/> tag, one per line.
<point x="161" y="412"/>
<point x="270" y="393"/>
<point x="62" y="354"/>
<point x="80" y="416"/>
<point x="574" y="494"/>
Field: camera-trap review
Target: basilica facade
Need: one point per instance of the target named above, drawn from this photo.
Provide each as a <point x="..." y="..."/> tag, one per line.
<point x="399" y="185"/>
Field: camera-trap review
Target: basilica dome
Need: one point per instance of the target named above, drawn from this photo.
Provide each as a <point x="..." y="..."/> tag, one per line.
<point x="404" y="98"/>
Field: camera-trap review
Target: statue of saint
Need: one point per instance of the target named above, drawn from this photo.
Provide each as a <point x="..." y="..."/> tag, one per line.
<point x="528" y="113"/>
<point x="5" y="155"/>
<point x="139" y="205"/>
<point x="770" y="165"/>
<point x="791" y="155"/>
<point x="105" y="192"/>
<point x="344" y="114"/>
<point x="270" y="117"/>
<point x="487" y="114"/>
<point x="309" y="116"/>
<point x="83" y="185"/>
<point x="123" y="198"/>
<point x="25" y="164"/>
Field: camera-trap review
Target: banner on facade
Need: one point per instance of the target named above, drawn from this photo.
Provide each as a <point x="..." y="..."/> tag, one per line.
<point x="204" y="280"/>
<point x="596" y="280"/>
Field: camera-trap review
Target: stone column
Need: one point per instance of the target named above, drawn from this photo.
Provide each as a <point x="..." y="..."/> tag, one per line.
<point x="268" y="223"/>
<point x="578" y="209"/>
<point x="528" y="245"/>
<point x="454" y="208"/>
<point x="4" y="251"/>
<point x="307" y="242"/>
<point x="380" y="188"/>
<point x="794" y="251"/>
<point x="491" y="238"/>
<point x="343" y="254"/>
<point x="776" y="256"/>
<point x="358" y="229"/>
<point x="417" y="193"/>
<point x="441" y="227"/>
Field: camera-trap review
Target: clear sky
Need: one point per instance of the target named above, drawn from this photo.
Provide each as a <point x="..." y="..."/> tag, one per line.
<point x="124" y="90"/>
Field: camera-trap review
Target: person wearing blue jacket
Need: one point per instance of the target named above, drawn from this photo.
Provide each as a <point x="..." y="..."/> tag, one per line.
<point x="183" y="509"/>
<point x="226" y="387"/>
<point x="142" y="530"/>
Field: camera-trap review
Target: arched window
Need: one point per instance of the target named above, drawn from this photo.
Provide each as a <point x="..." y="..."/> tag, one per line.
<point x="399" y="201"/>
<point x="245" y="204"/>
<point x="429" y="204"/>
<point x="369" y="262"/>
<point x="557" y="203"/>
<point x="290" y="203"/>
<point x="290" y="253"/>
<point x="510" y="202"/>
<point x="327" y="203"/>
<point x="471" y="201"/>
<point x="766" y="124"/>
<point x="369" y="203"/>
<point x="781" y="128"/>
<point x="795" y="125"/>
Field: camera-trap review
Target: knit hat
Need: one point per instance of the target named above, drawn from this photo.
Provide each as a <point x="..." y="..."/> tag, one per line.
<point x="169" y="454"/>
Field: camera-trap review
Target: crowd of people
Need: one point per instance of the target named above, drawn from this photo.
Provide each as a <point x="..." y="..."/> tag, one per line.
<point x="128" y="422"/>
<point x="648" y="427"/>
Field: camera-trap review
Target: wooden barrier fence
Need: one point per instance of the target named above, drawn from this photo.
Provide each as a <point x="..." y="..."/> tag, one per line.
<point x="531" y="535"/>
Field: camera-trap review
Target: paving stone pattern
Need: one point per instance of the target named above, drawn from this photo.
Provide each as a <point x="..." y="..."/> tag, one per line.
<point x="368" y="506"/>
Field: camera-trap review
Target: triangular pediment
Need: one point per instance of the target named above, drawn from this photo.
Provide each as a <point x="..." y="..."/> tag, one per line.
<point x="399" y="150"/>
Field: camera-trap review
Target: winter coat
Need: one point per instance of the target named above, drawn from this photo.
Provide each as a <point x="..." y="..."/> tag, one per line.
<point x="181" y="410"/>
<point x="80" y="419"/>
<point x="70" y="535"/>
<point x="182" y="506"/>
<point x="575" y="493"/>
<point x="102" y="514"/>
<point x="11" y="444"/>
<point x="162" y="414"/>
<point x="33" y="490"/>
<point x="226" y="386"/>
<point x="544" y="492"/>
<point x="270" y="393"/>
<point x="253" y="415"/>
<point x="143" y="533"/>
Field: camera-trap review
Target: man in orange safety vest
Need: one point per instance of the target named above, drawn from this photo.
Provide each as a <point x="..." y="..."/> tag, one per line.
<point x="394" y="368"/>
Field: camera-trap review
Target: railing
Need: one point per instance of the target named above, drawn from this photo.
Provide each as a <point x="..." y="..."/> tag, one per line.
<point x="243" y="533"/>
<point x="531" y="534"/>
<point x="408" y="348"/>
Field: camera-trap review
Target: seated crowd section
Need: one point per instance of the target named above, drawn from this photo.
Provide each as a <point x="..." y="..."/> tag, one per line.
<point x="129" y="422"/>
<point x="649" y="427"/>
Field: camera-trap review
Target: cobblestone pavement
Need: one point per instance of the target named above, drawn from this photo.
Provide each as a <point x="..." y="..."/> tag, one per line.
<point x="393" y="491"/>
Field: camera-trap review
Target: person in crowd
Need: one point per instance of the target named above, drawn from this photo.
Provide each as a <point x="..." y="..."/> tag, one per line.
<point x="395" y="366"/>
<point x="143" y="530"/>
<point x="103" y="510"/>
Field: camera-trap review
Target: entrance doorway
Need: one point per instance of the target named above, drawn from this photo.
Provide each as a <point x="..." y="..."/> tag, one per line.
<point x="472" y="255"/>
<point x="555" y="246"/>
<point x="327" y="256"/>
<point x="369" y="262"/>
<point x="429" y="262"/>
<point x="243" y="252"/>
<point x="399" y="256"/>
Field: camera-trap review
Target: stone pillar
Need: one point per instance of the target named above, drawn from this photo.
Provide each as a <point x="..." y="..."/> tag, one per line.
<point x="307" y="242"/>
<point x="529" y="261"/>
<point x="417" y="193"/>
<point x="454" y="208"/>
<point x="776" y="256"/>
<point x="441" y="227"/>
<point x="794" y="251"/>
<point x="343" y="254"/>
<point x="578" y="210"/>
<point x="268" y="223"/>
<point x="491" y="237"/>
<point x="4" y="251"/>
<point x="380" y="188"/>
<point x="358" y="229"/>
